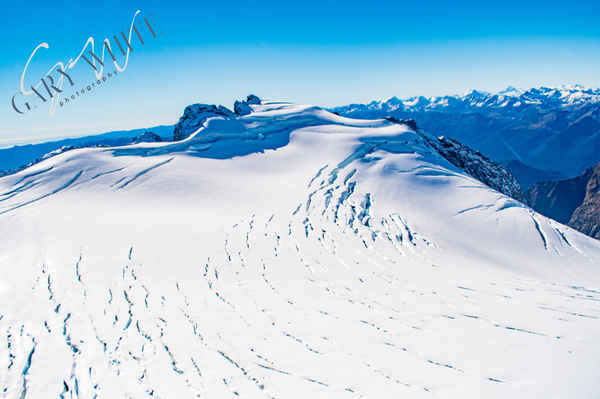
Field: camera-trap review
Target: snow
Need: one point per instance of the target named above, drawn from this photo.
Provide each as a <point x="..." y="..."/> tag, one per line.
<point x="511" y="91"/>
<point x="566" y="97"/>
<point x="411" y="102"/>
<point x="290" y="253"/>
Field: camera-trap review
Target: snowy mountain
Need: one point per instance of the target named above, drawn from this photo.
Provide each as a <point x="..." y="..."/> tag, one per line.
<point x="287" y="252"/>
<point x="510" y="100"/>
<point x="545" y="128"/>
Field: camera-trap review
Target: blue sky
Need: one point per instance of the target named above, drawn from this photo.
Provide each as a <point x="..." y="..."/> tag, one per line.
<point x="318" y="52"/>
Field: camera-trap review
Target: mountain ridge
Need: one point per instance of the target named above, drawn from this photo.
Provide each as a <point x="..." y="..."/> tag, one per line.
<point x="545" y="97"/>
<point x="290" y="253"/>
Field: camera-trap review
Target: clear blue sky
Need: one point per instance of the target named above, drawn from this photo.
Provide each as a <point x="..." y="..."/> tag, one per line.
<point x="318" y="52"/>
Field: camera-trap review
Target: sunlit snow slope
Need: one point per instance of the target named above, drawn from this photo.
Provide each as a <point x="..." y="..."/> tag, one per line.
<point x="290" y="253"/>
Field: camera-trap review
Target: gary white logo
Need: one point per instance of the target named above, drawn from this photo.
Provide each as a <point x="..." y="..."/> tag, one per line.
<point x="57" y="87"/>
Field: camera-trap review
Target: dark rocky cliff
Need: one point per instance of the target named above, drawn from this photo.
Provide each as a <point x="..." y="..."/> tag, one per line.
<point x="575" y="201"/>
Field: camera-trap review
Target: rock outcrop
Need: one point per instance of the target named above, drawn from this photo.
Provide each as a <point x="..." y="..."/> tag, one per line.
<point x="243" y="107"/>
<point x="586" y="217"/>
<point x="557" y="199"/>
<point x="477" y="165"/>
<point x="194" y="117"/>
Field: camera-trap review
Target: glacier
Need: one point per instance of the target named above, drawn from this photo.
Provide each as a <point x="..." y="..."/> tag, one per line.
<point x="287" y="253"/>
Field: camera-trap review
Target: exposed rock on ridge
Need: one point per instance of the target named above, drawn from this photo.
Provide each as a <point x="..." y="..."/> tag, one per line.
<point x="195" y="115"/>
<point x="477" y="165"/>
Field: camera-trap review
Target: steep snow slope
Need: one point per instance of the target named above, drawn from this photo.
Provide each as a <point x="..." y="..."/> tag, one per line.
<point x="290" y="253"/>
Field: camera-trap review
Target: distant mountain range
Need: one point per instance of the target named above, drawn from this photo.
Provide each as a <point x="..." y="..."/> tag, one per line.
<point x="550" y="129"/>
<point x="17" y="157"/>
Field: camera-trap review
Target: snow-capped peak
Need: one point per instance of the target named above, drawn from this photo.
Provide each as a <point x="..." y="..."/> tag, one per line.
<point x="511" y="91"/>
<point x="510" y="98"/>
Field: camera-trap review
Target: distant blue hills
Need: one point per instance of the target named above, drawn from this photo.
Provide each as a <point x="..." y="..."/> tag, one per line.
<point x="19" y="156"/>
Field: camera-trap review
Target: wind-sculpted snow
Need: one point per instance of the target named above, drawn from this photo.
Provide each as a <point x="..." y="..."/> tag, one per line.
<point x="224" y="138"/>
<point x="351" y="261"/>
